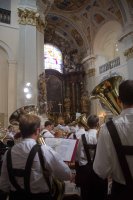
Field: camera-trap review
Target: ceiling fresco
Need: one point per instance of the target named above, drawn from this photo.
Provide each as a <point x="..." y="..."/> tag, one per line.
<point x="73" y="24"/>
<point x="70" y="5"/>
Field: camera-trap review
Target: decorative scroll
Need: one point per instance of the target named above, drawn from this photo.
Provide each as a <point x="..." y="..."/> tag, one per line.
<point x="31" y="17"/>
<point x="129" y="53"/>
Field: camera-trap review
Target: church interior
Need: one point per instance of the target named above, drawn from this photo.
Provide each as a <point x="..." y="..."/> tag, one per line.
<point x="63" y="59"/>
<point x="63" y="50"/>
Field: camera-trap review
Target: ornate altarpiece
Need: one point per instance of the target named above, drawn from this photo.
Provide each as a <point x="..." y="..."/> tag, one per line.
<point x="64" y="93"/>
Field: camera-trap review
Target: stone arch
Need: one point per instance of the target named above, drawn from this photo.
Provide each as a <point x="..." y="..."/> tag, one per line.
<point x="105" y="41"/>
<point x="8" y="50"/>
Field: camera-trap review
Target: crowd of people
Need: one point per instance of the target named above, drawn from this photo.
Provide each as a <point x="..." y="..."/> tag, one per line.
<point x="104" y="155"/>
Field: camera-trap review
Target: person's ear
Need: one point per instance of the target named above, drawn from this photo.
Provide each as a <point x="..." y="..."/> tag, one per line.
<point x="37" y="131"/>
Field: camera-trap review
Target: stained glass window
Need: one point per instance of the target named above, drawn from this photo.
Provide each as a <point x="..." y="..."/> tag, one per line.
<point x="52" y="58"/>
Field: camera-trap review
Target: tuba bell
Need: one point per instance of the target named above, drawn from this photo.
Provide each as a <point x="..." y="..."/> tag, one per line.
<point x="107" y="93"/>
<point x="15" y="117"/>
<point x="83" y="121"/>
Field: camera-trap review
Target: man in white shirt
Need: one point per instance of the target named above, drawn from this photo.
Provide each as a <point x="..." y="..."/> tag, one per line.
<point x="23" y="182"/>
<point x="106" y="161"/>
<point x="47" y="131"/>
<point x="83" y="163"/>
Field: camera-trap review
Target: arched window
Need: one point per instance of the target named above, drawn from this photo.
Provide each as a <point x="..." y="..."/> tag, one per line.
<point x="52" y="58"/>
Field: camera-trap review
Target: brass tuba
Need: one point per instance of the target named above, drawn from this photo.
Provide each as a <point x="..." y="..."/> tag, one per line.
<point x="83" y="121"/>
<point x="107" y="93"/>
<point x="29" y="109"/>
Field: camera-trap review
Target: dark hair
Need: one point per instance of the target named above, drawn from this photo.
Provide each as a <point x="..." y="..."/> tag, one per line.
<point x="126" y="92"/>
<point x="92" y="121"/>
<point x="28" y="124"/>
<point x="10" y="126"/>
<point x="48" y="123"/>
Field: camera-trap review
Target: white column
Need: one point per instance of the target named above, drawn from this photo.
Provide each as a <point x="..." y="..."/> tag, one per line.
<point x="31" y="43"/>
<point x="11" y="87"/>
<point x="89" y="66"/>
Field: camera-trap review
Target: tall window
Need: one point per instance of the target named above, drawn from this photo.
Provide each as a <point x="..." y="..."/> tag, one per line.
<point x="52" y="58"/>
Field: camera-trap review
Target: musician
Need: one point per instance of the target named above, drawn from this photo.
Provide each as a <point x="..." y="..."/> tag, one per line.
<point x="73" y="129"/>
<point x="106" y="161"/>
<point x="30" y="184"/>
<point x="62" y="126"/>
<point x="82" y="127"/>
<point x="83" y="160"/>
<point x="48" y="128"/>
<point x="10" y="132"/>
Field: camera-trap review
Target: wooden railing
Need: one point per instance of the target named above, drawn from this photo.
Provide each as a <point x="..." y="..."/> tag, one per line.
<point x="107" y="66"/>
<point x="5" y="16"/>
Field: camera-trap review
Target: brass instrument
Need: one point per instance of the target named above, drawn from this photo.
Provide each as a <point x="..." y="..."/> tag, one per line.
<point x="107" y="93"/>
<point x="82" y="120"/>
<point x="29" y="109"/>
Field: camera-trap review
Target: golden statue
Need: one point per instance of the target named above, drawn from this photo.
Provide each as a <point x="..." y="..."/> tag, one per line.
<point x="84" y="103"/>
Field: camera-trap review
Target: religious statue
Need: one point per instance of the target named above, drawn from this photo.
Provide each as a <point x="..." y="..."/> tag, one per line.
<point x="67" y="104"/>
<point x="84" y="103"/>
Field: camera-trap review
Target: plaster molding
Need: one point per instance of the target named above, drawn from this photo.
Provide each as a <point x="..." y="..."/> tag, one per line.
<point x="31" y="17"/>
<point x="88" y="58"/>
<point x="125" y="35"/>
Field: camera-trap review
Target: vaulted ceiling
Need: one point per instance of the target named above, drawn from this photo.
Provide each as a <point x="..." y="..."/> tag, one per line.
<point x="73" y="24"/>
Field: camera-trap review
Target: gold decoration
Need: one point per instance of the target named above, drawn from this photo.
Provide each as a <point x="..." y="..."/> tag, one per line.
<point x="129" y="53"/>
<point x="31" y="17"/>
<point x="91" y="72"/>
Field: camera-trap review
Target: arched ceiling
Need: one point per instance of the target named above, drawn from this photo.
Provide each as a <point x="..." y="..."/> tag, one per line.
<point x="73" y="24"/>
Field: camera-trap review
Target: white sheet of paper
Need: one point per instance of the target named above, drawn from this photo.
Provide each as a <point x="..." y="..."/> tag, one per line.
<point x="65" y="147"/>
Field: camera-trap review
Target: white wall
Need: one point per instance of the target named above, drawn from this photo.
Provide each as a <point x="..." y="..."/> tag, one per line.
<point x="4" y="84"/>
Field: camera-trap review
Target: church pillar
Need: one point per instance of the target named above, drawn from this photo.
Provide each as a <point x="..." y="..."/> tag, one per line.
<point x="11" y="87"/>
<point x="31" y="47"/>
<point x="89" y="66"/>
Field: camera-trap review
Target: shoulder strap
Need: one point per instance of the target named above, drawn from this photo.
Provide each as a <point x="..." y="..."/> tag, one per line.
<point x="45" y="171"/>
<point x="28" y="166"/>
<point x="19" y="172"/>
<point x="85" y="148"/>
<point x="44" y="132"/>
<point x="120" y="152"/>
<point x="9" y="169"/>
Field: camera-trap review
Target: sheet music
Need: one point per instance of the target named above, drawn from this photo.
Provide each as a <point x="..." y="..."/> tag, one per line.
<point x="65" y="147"/>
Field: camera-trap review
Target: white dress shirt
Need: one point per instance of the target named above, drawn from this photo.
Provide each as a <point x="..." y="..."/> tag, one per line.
<point x="106" y="162"/>
<point x="80" y="132"/>
<point x="91" y="138"/>
<point x="45" y="133"/>
<point x="63" y="128"/>
<point x="19" y="154"/>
